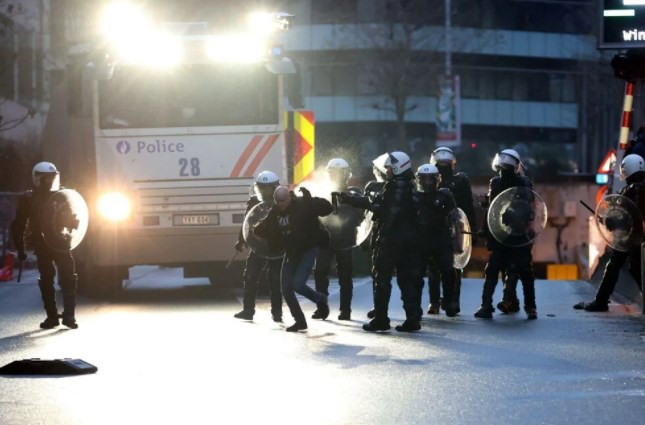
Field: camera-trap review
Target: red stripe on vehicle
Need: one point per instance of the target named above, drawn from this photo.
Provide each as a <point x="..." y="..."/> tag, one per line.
<point x="260" y="155"/>
<point x="255" y="141"/>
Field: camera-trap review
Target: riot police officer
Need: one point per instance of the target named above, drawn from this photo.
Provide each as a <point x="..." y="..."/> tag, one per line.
<point x="459" y="185"/>
<point x="46" y="181"/>
<point x="342" y="227"/>
<point x="515" y="260"/>
<point x="264" y="186"/>
<point x="437" y="209"/>
<point x="632" y="170"/>
<point x="395" y="242"/>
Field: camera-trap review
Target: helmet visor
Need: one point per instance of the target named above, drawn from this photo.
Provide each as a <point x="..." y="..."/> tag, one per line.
<point x="427" y="182"/>
<point x="48" y="181"/>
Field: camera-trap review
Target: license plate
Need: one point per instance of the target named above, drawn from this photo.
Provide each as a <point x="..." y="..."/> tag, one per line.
<point x="196" y="220"/>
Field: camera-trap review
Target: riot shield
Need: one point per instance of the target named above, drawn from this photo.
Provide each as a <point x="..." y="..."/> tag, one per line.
<point x="462" y="239"/>
<point x="64" y="220"/>
<point x="620" y="223"/>
<point x="258" y="245"/>
<point x="347" y="226"/>
<point x="517" y="216"/>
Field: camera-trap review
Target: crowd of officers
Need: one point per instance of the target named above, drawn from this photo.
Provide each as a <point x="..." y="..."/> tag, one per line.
<point x="412" y="237"/>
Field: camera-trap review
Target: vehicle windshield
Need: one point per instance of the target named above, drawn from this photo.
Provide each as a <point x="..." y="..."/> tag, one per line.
<point x="196" y="96"/>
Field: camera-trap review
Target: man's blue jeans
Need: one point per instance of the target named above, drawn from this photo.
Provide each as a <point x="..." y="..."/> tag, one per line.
<point x="295" y="272"/>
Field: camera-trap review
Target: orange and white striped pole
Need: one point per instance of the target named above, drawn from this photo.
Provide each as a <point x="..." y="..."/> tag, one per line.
<point x="623" y="140"/>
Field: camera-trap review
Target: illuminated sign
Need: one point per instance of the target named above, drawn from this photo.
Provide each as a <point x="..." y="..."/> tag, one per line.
<point x="622" y="24"/>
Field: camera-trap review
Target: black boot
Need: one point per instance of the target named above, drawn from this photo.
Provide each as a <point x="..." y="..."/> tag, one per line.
<point x="50" y="322"/>
<point x="300" y="325"/>
<point x="376" y="325"/>
<point x="531" y="313"/>
<point x="593" y="306"/>
<point x="69" y="301"/>
<point x="409" y="326"/>
<point x="345" y="315"/>
<point x="322" y="312"/>
<point x="245" y="315"/>
<point x="371" y="314"/>
<point x="508" y="307"/>
<point x="485" y="312"/>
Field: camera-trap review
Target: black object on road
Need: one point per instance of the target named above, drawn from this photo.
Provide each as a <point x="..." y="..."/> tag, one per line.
<point x="48" y="367"/>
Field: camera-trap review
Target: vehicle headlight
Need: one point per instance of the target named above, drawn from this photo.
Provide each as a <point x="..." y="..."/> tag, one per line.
<point x="114" y="206"/>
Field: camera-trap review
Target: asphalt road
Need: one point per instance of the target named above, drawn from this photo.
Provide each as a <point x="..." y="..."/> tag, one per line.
<point x="169" y="351"/>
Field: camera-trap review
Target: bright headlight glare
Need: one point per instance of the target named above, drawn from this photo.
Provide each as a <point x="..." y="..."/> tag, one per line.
<point x="262" y="23"/>
<point x="114" y="206"/>
<point x="155" y="49"/>
<point x="122" y="21"/>
<point x="238" y="48"/>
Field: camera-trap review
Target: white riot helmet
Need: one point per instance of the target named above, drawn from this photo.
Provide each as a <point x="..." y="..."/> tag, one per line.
<point x="339" y="171"/>
<point x="443" y="155"/>
<point x="379" y="167"/>
<point x="398" y="162"/>
<point x="265" y="184"/>
<point x="45" y="176"/>
<point x="507" y="159"/>
<point x="428" y="178"/>
<point x="631" y="165"/>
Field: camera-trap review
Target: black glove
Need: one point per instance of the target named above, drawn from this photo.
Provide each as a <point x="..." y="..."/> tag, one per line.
<point x="343" y="198"/>
<point x="305" y="193"/>
<point x="22" y="255"/>
<point x="240" y="246"/>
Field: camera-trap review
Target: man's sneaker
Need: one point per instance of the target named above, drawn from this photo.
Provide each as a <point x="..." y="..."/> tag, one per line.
<point x="375" y="325"/>
<point x="245" y="315"/>
<point x="49" y="323"/>
<point x="298" y="326"/>
<point x="593" y="306"/>
<point x="531" y="313"/>
<point x="371" y="314"/>
<point x="433" y="308"/>
<point x="345" y="315"/>
<point x="277" y="319"/>
<point x="409" y="326"/>
<point x="70" y="322"/>
<point x="484" y="312"/>
<point x="507" y="307"/>
<point x="322" y="312"/>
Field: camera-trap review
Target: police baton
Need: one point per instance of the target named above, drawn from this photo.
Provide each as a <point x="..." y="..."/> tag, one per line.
<point x="231" y="260"/>
<point x="334" y="201"/>
<point x="587" y="207"/>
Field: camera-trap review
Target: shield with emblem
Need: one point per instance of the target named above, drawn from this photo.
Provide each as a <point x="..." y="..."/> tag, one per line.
<point x="619" y="222"/>
<point x="517" y="216"/>
<point x="64" y="220"/>
<point x="258" y="245"/>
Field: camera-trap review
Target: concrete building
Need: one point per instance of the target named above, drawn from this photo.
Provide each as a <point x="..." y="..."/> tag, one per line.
<point x="531" y="77"/>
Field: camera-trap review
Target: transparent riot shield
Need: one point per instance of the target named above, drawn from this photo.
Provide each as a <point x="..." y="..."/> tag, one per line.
<point x="258" y="245"/>
<point x="619" y="222"/>
<point x="517" y="216"/>
<point x="462" y="239"/>
<point x="64" y="220"/>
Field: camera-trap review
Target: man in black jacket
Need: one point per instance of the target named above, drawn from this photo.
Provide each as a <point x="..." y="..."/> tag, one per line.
<point x="632" y="169"/>
<point x="514" y="260"/>
<point x="45" y="178"/>
<point x="293" y="225"/>
<point x="395" y="242"/>
<point x="459" y="185"/>
<point x="265" y="185"/>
